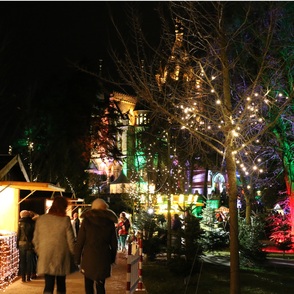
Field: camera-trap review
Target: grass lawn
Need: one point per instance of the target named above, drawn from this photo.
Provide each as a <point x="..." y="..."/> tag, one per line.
<point x="272" y="278"/>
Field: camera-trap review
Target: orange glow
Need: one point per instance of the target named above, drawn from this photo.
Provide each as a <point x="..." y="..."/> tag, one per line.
<point x="9" y="209"/>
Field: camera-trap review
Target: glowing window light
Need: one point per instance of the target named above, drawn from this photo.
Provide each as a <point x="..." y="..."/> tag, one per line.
<point x="181" y="198"/>
<point x="190" y="198"/>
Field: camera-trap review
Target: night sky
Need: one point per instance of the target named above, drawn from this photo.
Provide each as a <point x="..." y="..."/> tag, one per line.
<point x="41" y="40"/>
<point x="44" y="37"/>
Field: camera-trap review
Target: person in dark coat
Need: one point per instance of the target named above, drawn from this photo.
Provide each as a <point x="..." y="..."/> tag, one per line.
<point x="25" y="234"/>
<point x="96" y="246"/>
<point x="76" y="224"/>
<point x="34" y="217"/>
<point x="176" y="233"/>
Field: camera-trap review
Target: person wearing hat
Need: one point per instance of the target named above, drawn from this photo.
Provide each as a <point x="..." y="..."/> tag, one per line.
<point x="96" y="246"/>
<point x="25" y="233"/>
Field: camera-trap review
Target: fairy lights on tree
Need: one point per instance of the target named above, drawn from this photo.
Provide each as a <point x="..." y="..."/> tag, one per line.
<point x="224" y="74"/>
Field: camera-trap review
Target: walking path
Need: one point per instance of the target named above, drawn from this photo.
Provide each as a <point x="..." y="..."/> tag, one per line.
<point x="225" y="260"/>
<point x="116" y="284"/>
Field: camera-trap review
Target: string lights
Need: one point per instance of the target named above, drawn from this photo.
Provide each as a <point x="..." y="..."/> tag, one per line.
<point x="9" y="259"/>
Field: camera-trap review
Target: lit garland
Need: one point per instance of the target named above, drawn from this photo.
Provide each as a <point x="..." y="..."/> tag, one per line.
<point x="245" y="123"/>
<point x="9" y="259"/>
<point x="245" y="126"/>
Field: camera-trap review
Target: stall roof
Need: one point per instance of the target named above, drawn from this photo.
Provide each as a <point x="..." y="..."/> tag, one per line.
<point x="37" y="186"/>
<point x="12" y="168"/>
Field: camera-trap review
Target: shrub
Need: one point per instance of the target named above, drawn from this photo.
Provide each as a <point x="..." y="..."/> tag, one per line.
<point x="249" y="239"/>
<point x="214" y="239"/>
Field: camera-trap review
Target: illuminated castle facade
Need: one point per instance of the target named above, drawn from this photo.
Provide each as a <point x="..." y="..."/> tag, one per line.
<point x="117" y="176"/>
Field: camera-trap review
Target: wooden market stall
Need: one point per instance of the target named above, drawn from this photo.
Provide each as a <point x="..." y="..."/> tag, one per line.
<point x="9" y="211"/>
<point x="13" y="178"/>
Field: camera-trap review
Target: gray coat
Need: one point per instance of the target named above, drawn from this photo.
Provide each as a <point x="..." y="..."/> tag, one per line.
<point x="96" y="245"/>
<point x="54" y="244"/>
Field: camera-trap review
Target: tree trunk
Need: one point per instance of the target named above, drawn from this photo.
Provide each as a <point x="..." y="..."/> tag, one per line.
<point x="248" y="197"/>
<point x="168" y="255"/>
<point x="234" y="241"/>
<point x="231" y="171"/>
<point x="169" y="203"/>
<point x="205" y="183"/>
<point x="288" y="164"/>
<point x="248" y="209"/>
<point x="290" y="192"/>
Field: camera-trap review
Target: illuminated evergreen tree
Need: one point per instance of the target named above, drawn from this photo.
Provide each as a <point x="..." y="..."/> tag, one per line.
<point x="284" y="133"/>
<point x="279" y="224"/>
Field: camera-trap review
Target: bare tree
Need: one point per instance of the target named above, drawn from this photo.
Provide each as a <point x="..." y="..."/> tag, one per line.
<point x="223" y="74"/>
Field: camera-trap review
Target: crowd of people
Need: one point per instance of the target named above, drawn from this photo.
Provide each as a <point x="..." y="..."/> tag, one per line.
<point x="50" y="244"/>
<point x="54" y="245"/>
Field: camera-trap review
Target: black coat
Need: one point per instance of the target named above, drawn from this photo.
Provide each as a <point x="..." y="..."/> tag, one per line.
<point x="25" y="232"/>
<point x="96" y="245"/>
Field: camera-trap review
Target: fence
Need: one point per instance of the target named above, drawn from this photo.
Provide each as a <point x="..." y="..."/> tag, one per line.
<point x="134" y="268"/>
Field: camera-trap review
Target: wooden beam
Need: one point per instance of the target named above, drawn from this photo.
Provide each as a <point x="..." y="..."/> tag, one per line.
<point x="4" y="171"/>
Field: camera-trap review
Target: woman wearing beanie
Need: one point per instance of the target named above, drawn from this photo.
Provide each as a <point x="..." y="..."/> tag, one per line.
<point x="25" y="235"/>
<point x="96" y="246"/>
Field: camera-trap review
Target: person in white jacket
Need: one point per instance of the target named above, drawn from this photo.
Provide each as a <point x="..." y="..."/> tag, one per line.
<point x="54" y="245"/>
